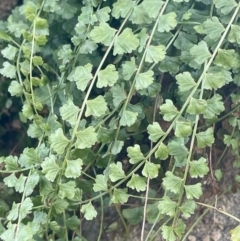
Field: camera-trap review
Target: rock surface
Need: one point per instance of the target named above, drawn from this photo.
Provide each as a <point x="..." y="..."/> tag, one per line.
<point x="6" y="7"/>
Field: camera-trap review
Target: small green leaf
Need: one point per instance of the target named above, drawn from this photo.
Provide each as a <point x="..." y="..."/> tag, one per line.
<point x="193" y="191"/>
<point x="167" y="22"/>
<point x="105" y="135"/>
<point x="126" y="42"/>
<point x="167" y="206"/>
<point x="116" y="172"/>
<point x="133" y="215"/>
<point x="60" y="205"/>
<point x="198" y="168"/>
<point x="81" y="75"/>
<point x="58" y="141"/>
<point x="150" y="170"/>
<point x="235" y="233"/>
<point x="120" y="195"/>
<point x="117" y="147"/>
<point x="65" y="53"/>
<point x="227" y="59"/>
<point x="155" y="54"/>
<point x="86" y="138"/>
<point x="8" y="70"/>
<point x="188" y="208"/>
<point x="50" y="168"/>
<point x="234" y="35"/>
<point x="27" y="111"/>
<point x="11" y="163"/>
<point x="128" y="68"/>
<point x="217" y="77"/>
<point x="168" y="233"/>
<point x="31" y="182"/>
<point x="183" y="128"/>
<point x="122" y="8"/>
<point x="137" y="182"/>
<point x="103" y="14"/>
<point x="128" y="118"/>
<point x="205" y="138"/>
<point x="185" y="82"/>
<point x="74" y="168"/>
<point x="155" y="131"/>
<point x="152" y="7"/>
<point x="9" y="52"/>
<point x="139" y="15"/>
<point x="89" y="211"/>
<point x="135" y="154"/>
<point x="226" y="6"/>
<point x="213" y="28"/>
<point x="118" y="94"/>
<point x="96" y="107"/>
<point x="107" y="77"/>
<point x="214" y="107"/>
<point x="143" y="37"/>
<point x="5" y="36"/>
<point x="37" y="61"/>
<point x="218" y="174"/>
<point x="15" y="89"/>
<point x="14" y="212"/>
<point x="25" y="208"/>
<point x="197" y="106"/>
<point x="73" y="222"/>
<point x="168" y="110"/>
<point x="170" y="64"/>
<point x="17" y="183"/>
<point x="67" y="190"/>
<point x="200" y="52"/>
<point x="172" y="182"/>
<point x="180" y="228"/>
<point x="162" y="152"/>
<point x="100" y="183"/>
<point x="69" y="112"/>
<point x="103" y="34"/>
<point x="177" y="148"/>
<point x="143" y="80"/>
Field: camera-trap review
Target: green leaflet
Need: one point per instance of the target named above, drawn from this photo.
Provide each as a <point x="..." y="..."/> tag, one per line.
<point x="167" y="206"/>
<point x="135" y="154"/>
<point x="122" y="8"/>
<point x="100" y="183"/>
<point x="86" y="138"/>
<point x="58" y="141"/>
<point x="116" y="172"/>
<point x="200" y="52"/>
<point x="225" y="6"/>
<point x="235" y="233"/>
<point x="199" y="168"/>
<point x="168" y="110"/>
<point x="167" y="22"/>
<point x="103" y="34"/>
<point x="155" y="131"/>
<point x="126" y="42"/>
<point x="50" y="168"/>
<point x="69" y="112"/>
<point x="155" y="54"/>
<point x="150" y="170"/>
<point x="81" y="75"/>
<point x="107" y="77"/>
<point x="89" y="211"/>
<point x="120" y="196"/>
<point x="172" y="182"/>
<point x="137" y="182"/>
<point x="143" y="80"/>
<point x="96" y="107"/>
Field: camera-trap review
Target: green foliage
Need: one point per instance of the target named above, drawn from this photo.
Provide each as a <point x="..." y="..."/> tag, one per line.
<point x="118" y="94"/>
